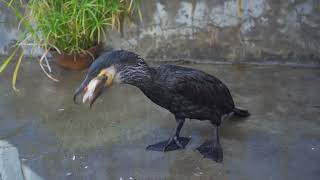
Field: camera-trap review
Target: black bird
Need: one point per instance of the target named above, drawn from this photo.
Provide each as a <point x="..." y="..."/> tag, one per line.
<point x="185" y="92"/>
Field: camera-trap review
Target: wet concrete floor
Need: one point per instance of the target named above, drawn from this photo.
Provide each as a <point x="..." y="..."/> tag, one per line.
<point x="59" y="140"/>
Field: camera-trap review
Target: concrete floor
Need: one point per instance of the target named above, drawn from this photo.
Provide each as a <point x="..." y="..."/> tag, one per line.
<point x="59" y="140"/>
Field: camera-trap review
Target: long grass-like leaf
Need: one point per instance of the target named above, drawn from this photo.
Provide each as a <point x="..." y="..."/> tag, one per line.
<point x="130" y="6"/>
<point x="6" y="62"/>
<point x="140" y="15"/>
<point x="16" y="70"/>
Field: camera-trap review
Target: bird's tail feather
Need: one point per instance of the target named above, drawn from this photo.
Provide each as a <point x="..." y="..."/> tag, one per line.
<point x="240" y="112"/>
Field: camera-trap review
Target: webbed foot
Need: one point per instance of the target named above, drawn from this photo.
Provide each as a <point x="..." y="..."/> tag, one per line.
<point x="211" y="151"/>
<point x="172" y="144"/>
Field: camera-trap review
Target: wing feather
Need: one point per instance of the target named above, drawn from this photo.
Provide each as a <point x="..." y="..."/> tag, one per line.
<point x="200" y="88"/>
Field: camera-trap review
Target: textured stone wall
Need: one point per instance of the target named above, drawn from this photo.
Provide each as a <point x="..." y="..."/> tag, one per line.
<point x="231" y="30"/>
<point x="219" y="30"/>
<point x="8" y="29"/>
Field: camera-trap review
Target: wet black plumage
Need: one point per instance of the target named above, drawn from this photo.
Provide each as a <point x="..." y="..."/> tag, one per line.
<point x="185" y="92"/>
<point x="189" y="93"/>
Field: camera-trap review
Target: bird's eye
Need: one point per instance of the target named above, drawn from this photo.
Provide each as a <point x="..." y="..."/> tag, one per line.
<point x="103" y="75"/>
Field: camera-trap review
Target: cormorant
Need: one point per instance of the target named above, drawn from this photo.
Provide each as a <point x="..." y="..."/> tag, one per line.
<point x="185" y="92"/>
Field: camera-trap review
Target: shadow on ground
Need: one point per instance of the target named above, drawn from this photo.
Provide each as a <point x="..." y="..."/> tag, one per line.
<point x="59" y="140"/>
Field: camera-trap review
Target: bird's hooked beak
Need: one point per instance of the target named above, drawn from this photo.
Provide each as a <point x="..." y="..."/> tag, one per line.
<point x="93" y="88"/>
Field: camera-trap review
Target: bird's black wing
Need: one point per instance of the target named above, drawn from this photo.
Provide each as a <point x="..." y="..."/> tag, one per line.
<point x="200" y="88"/>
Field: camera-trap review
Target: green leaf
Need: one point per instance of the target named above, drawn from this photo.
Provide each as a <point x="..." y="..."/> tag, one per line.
<point x="16" y="70"/>
<point x="70" y="25"/>
<point x="6" y="62"/>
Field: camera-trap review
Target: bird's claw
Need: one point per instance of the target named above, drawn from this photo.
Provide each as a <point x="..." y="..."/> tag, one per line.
<point x="172" y="144"/>
<point x="211" y="150"/>
<point x="175" y="140"/>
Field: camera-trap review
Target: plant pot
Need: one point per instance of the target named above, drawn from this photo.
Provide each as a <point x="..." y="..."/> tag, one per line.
<point x="76" y="61"/>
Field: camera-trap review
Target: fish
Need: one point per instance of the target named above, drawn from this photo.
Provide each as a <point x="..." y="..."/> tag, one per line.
<point x="93" y="90"/>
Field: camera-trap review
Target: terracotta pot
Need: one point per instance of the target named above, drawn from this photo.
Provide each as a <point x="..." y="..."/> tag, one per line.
<point x="76" y="61"/>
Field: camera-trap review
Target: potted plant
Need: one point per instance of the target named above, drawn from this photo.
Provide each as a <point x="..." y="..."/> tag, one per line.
<point x="70" y="30"/>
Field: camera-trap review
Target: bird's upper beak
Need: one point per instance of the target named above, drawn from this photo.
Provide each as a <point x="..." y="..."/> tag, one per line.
<point x="93" y="88"/>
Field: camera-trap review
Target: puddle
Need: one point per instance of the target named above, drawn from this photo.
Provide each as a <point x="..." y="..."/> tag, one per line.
<point x="60" y="140"/>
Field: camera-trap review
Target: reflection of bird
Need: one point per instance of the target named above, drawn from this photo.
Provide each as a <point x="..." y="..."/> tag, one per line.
<point x="185" y="92"/>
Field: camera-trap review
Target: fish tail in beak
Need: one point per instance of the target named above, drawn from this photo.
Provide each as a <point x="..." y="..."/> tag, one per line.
<point x="95" y="97"/>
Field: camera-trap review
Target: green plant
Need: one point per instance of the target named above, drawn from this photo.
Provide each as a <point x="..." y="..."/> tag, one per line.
<point x="70" y="26"/>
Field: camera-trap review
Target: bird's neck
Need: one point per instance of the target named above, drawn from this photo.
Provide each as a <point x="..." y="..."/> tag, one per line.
<point x="141" y="81"/>
<point x="141" y="77"/>
<point x="148" y="84"/>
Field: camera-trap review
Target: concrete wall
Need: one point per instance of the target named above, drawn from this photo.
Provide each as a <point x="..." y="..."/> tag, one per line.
<point x="219" y="30"/>
<point x="8" y="29"/>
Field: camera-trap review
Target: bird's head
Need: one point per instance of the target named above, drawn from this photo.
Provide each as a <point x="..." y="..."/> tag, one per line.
<point x="112" y="67"/>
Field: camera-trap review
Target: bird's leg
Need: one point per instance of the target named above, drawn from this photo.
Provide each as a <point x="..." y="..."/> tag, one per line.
<point x="212" y="150"/>
<point x="176" y="136"/>
<point x="174" y="143"/>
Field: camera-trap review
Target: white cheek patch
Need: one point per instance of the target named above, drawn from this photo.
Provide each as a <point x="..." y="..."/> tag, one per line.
<point x="90" y="90"/>
<point x="117" y="78"/>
